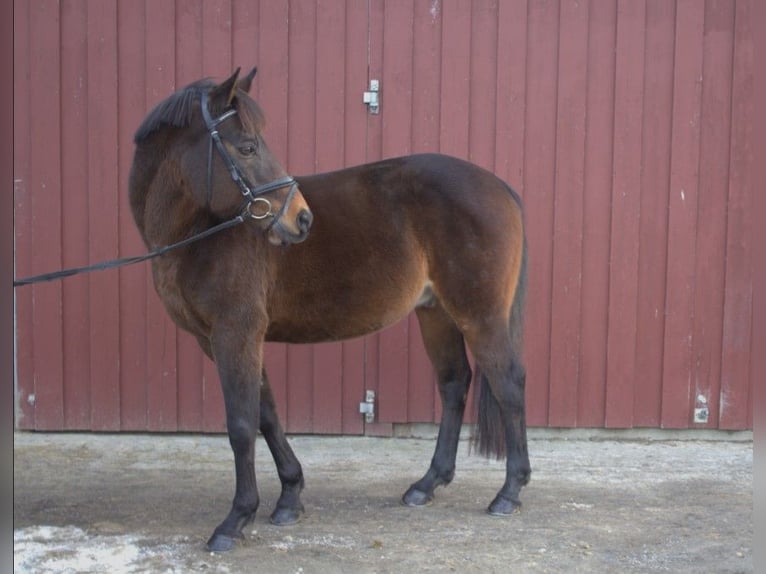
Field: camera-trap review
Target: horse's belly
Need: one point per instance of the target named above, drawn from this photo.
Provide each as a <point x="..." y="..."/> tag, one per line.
<point x="359" y="313"/>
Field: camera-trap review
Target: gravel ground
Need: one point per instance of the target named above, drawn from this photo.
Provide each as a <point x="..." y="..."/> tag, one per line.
<point x="86" y="503"/>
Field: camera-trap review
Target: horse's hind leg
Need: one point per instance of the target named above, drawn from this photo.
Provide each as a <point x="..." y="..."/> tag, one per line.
<point x="289" y="507"/>
<point x="446" y="349"/>
<point x="502" y="421"/>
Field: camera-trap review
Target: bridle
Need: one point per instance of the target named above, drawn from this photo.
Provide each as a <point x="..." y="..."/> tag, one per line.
<point x="252" y="195"/>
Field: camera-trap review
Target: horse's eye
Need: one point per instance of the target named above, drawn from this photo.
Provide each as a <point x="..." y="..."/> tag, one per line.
<point x="248" y="149"/>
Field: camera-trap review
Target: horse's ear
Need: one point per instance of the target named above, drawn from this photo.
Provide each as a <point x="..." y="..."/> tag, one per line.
<point x="222" y="95"/>
<point x="246" y="83"/>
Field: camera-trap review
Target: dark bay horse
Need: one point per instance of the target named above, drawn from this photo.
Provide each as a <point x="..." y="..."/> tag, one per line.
<point x="328" y="257"/>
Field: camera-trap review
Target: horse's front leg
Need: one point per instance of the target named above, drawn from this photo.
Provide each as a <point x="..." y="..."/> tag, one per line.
<point x="238" y="358"/>
<point x="289" y="507"/>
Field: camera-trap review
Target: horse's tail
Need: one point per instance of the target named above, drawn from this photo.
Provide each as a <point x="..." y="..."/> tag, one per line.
<point x="489" y="436"/>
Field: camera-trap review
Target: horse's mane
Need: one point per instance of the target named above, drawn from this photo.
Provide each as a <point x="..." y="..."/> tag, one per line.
<point x="178" y="109"/>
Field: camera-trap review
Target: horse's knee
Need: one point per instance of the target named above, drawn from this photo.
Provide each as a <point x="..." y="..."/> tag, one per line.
<point x="241" y="434"/>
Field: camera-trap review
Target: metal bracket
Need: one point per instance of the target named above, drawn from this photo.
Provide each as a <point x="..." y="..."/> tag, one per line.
<point x="371" y="98"/>
<point x="367" y="408"/>
<point x="701" y="411"/>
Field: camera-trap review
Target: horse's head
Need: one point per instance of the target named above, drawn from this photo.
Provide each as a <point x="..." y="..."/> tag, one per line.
<point x="225" y="166"/>
<point x="240" y="170"/>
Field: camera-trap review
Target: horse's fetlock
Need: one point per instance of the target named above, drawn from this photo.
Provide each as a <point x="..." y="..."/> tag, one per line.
<point x="247" y="507"/>
<point x="447" y="475"/>
<point x="292" y="476"/>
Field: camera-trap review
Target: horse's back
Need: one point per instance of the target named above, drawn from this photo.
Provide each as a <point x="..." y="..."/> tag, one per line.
<point x="410" y="176"/>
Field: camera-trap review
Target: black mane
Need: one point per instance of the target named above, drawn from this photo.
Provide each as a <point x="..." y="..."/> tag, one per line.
<point x="177" y="110"/>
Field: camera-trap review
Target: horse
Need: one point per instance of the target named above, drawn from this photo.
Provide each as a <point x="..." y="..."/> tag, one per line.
<point x="328" y="257"/>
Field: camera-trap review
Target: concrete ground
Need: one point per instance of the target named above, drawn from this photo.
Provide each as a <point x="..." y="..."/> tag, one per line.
<point x="147" y="503"/>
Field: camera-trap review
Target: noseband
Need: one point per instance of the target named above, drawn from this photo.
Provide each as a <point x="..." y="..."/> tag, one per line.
<point x="252" y="195"/>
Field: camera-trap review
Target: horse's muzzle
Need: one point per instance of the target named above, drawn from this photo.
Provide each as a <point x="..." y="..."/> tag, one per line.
<point x="281" y="234"/>
<point x="305" y="219"/>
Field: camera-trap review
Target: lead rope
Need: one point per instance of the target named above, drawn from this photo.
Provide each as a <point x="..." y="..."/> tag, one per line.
<point x="130" y="260"/>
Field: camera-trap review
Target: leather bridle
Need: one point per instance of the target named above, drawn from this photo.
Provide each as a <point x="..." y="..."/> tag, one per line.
<point x="253" y="194"/>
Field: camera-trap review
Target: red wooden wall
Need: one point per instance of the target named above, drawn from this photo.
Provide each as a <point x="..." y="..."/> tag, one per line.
<point x="625" y="125"/>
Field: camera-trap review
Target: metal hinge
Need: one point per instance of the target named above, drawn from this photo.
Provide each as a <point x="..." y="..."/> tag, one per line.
<point x="371" y="98"/>
<point x="367" y="408"/>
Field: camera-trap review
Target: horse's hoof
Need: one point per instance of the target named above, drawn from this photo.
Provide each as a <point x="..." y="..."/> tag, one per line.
<point x="286" y="516"/>
<point x="415" y="497"/>
<point x="222" y="542"/>
<point x="502" y="506"/>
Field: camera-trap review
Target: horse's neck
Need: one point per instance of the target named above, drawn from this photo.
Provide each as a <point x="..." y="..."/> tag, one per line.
<point x="170" y="213"/>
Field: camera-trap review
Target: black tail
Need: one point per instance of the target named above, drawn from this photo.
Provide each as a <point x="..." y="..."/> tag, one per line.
<point x="489" y="438"/>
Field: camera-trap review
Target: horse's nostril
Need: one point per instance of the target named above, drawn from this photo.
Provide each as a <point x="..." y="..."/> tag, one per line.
<point x="304" y="220"/>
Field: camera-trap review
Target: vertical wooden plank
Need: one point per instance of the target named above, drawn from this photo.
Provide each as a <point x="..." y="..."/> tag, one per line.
<point x="375" y="41"/>
<point x="188" y="31"/>
<point x="568" y="214"/>
<point x="216" y="63"/>
<point x="539" y="182"/>
<point x="329" y="148"/>
<point x="396" y="110"/>
<point x="161" y="387"/>
<point x="393" y="347"/>
<point x="682" y="215"/>
<point x="374" y="152"/>
<point x="45" y="202"/>
<point x="626" y="197"/>
<point x="455" y="90"/>
<point x="426" y="76"/>
<point x="301" y="154"/>
<point x="455" y="77"/>
<point x="483" y="82"/>
<point x="131" y="95"/>
<point x="245" y="26"/>
<point x="272" y="78"/>
<point x="7" y="311"/>
<point x="510" y="101"/>
<point x="216" y="39"/>
<point x="397" y="78"/>
<point x="736" y="396"/>
<point x="511" y="97"/>
<point x="102" y="199"/>
<point x="189" y="356"/>
<point x="23" y="231"/>
<point x="355" y="137"/>
<point x="715" y="136"/>
<point x="597" y="203"/>
<point x="482" y="105"/>
<point x="74" y="240"/>
<point x="327" y="388"/>
<point x="271" y="91"/>
<point x="653" y="230"/>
